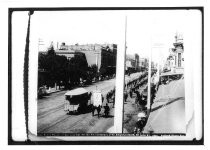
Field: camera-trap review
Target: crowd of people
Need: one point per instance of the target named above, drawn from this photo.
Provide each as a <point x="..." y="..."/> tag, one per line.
<point x="132" y="89"/>
<point x="98" y="109"/>
<point x="110" y="98"/>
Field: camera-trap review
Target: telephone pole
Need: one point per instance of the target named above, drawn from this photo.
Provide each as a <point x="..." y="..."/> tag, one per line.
<point x="119" y="102"/>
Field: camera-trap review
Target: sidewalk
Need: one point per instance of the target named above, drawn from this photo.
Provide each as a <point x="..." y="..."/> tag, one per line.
<point x="168" y="110"/>
<point x="53" y="90"/>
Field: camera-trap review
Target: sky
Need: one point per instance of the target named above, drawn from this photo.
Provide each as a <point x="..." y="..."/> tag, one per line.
<point x="145" y="29"/>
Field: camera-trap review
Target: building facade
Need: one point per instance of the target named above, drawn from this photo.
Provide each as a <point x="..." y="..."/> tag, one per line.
<point x="175" y="61"/>
<point x="143" y="63"/>
<point x="132" y="62"/>
<point x="102" y="55"/>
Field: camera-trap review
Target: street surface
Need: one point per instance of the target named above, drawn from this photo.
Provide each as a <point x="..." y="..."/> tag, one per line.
<point x="168" y="111"/>
<point x="52" y="118"/>
<point x="131" y="110"/>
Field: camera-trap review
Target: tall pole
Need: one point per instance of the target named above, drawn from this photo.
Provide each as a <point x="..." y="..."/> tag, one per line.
<point x="149" y="81"/>
<point x="25" y="74"/>
<point x="124" y="71"/>
<point x="119" y="102"/>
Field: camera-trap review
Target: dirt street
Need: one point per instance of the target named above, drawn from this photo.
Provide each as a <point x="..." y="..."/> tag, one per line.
<point x="53" y="119"/>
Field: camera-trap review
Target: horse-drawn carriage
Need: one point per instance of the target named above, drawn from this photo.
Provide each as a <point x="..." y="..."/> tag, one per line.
<point x="77" y="100"/>
<point x="80" y="100"/>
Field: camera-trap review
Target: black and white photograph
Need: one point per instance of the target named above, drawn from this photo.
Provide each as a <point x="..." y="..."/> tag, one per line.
<point x="107" y="74"/>
<point x="154" y="95"/>
<point x="76" y="72"/>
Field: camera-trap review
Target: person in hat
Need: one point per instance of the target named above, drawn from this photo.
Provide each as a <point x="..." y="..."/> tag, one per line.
<point x="106" y="110"/>
<point x="141" y="122"/>
<point x="98" y="110"/>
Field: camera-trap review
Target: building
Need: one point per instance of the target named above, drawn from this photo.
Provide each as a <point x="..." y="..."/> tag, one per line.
<point x="175" y="61"/>
<point x="68" y="53"/>
<point x="143" y="63"/>
<point x="136" y="61"/>
<point x="102" y="55"/>
<point x="132" y="62"/>
<point x="87" y="47"/>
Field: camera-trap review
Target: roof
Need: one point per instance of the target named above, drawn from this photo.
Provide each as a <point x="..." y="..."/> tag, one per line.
<point x="77" y="91"/>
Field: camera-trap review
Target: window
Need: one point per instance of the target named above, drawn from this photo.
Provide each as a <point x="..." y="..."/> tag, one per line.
<point x="179" y="59"/>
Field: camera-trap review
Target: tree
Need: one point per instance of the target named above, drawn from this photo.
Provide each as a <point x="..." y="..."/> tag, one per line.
<point x="52" y="68"/>
<point x="91" y="73"/>
<point x="58" y="69"/>
<point x="78" y="68"/>
<point x="103" y="71"/>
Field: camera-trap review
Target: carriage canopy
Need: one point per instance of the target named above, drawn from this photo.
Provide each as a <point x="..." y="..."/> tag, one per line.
<point x="77" y="96"/>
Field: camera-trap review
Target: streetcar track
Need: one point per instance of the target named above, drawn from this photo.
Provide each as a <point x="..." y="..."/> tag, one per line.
<point x="63" y="118"/>
<point x="75" y="124"/>
<point x="49" y="111"/>
<point x="60" y="120"/>
<point x="49" y="126"/>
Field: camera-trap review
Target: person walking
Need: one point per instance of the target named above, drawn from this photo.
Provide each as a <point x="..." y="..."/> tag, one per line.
<point x="125" y="96"/>
<point x="93" y="110"/>
<point x="113" y="100"/>
<point x="106" y="110"/>
<point x="131" y="93"/>
<point x="98" y="110"/>
<point x="107" y="97"/>
<point x="102" y="97"/>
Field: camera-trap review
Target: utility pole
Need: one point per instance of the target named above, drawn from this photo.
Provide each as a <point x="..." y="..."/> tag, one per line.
<point x="153" y="45"/>
<point x="119" y="102"/>
<point x="149" y="81"/>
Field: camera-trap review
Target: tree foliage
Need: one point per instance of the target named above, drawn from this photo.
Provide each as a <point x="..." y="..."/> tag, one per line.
<point x="65" y="72"/>
<point x="52" y="68"/>
<point x="58" y="69"/>
<point x="77" y="68"/>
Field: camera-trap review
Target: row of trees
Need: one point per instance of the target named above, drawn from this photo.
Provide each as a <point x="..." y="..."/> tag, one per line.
<point x="62" y="71"/>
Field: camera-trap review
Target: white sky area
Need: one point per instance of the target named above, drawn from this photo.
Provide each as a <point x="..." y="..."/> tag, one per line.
<point x="145" y="28"/>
